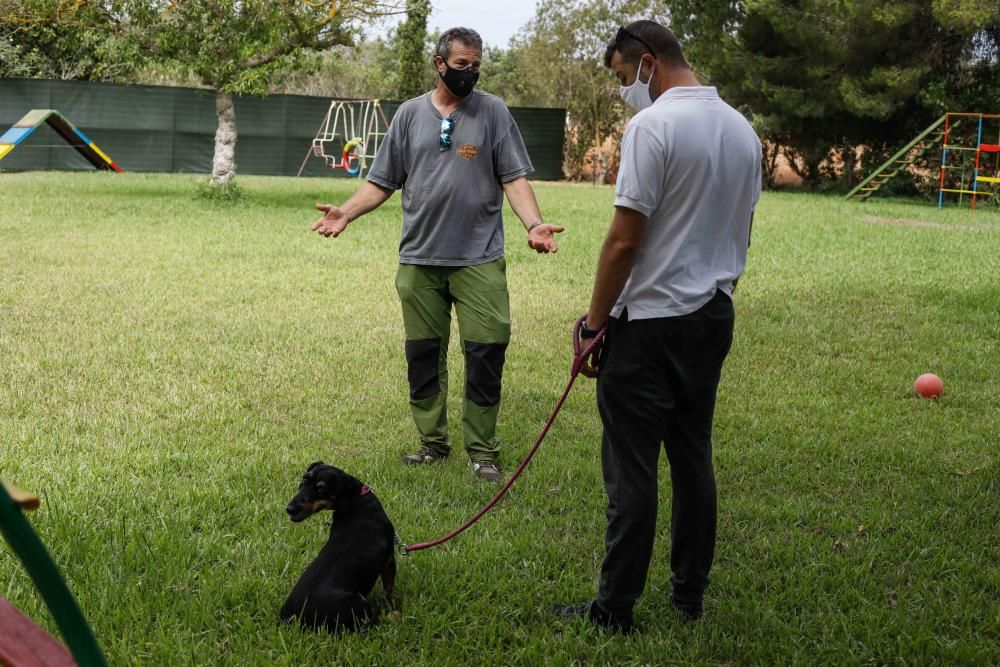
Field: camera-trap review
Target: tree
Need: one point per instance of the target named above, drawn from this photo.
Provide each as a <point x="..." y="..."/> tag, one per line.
<point x="367" y="70"/>
<point x="411" y="39"/>
<point x="557" y="60"/>
<point x="241" y="46"/>
<point x="822" y="79"/>
<point x="230" y="46"/>
<point x="58" y="40"/>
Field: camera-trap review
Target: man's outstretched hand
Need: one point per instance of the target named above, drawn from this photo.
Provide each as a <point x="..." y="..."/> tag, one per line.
<point x="333" y="222"/>
<point x="543" y="238"/>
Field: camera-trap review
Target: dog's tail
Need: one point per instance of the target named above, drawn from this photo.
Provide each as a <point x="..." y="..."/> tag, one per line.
<point x="332" y="611"/>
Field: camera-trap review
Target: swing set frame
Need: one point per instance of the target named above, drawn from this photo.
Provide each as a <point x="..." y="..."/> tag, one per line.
<point x="356" y="127"/>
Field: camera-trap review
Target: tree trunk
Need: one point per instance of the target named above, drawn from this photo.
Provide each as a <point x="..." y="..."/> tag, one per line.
<point x="224" y="160"/>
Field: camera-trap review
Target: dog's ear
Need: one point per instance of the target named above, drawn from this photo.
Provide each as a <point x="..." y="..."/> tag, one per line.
<point x="348" y="487"/>
<point x="314" y="464"/>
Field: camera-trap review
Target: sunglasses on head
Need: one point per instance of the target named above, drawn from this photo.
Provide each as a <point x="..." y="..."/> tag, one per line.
<point x="447" y="126"/>
<point x="624" y="34"/>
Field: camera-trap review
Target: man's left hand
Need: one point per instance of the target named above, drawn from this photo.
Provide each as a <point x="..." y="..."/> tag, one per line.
<point x="543" y="238"/>
<point x="589" y="367"/>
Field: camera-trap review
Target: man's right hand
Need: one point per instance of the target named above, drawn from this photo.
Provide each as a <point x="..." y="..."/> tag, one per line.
<point x="333" y="222"/>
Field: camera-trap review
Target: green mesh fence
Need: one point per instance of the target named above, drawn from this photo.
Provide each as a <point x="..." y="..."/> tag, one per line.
<point x="155" y="128"/>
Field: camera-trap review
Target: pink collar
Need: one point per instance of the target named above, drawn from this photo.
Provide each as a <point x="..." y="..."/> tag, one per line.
<point x="365" y="490"/>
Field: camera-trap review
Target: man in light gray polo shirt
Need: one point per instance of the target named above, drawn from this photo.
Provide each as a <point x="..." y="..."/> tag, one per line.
<point x="687" y="187"/>
<point x="454" y="152"/>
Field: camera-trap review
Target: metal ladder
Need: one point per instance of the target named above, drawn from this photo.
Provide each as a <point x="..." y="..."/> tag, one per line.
<point x="899" y="162"/>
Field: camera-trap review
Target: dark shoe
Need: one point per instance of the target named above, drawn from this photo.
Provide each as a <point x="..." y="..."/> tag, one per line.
<point x="423" y="455"/>
<point x="487" y="470"/>
<point x="596" y="615"/>
<point x="691" y="611"/>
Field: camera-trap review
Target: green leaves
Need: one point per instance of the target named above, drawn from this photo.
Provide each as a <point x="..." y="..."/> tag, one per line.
<point x="834" y="76"/>
<point x="557" y="61"/>
<point x="412" y="42"/>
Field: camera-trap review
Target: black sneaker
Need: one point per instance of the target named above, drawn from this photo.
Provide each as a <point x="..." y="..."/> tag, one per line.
<point x="691" y="611"/>
<point x="487" y="470"/>
<point x="596" y="615"/>
<point x="423" y="455"/>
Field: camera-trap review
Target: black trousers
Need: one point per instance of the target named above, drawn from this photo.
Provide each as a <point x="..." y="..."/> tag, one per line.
<point x="656" y="384"/>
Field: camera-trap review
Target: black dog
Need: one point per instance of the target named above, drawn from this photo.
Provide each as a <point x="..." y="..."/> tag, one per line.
<point x="332" y="593"/>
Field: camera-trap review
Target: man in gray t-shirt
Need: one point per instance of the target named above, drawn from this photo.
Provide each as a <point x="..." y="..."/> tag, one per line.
<point x="454" y="152"/>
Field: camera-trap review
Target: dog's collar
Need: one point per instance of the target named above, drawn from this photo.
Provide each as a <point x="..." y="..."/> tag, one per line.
<point x="365" y="490"/>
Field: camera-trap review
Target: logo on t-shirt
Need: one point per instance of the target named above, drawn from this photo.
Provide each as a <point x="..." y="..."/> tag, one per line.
<point x="467" y="151"/>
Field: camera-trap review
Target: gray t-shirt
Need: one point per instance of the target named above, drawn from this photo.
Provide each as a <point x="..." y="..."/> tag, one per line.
<point x="451" y="198"/>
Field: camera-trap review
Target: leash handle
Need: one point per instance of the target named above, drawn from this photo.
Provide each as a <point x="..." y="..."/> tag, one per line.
<point x="580" y="353"/>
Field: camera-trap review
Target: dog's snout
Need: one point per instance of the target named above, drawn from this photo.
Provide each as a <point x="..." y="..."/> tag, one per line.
<point x="292" y="508"/>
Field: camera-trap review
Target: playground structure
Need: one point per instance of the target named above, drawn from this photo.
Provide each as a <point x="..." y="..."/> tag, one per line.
<point x="969" y="164"/>
<point x="23" y="128"/>
<point x="349" y="136"/>
<point x="978" y="175"/>
<point x="22" y="642"/>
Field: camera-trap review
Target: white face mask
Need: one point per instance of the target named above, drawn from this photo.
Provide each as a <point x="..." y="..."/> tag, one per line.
<point x="637" y="95"/>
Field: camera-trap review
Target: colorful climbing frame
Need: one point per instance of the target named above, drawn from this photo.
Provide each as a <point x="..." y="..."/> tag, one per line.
<point x="965" y="170"/>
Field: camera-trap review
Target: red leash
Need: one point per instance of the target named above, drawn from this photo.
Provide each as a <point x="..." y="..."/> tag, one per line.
<point x="579" y="357"/>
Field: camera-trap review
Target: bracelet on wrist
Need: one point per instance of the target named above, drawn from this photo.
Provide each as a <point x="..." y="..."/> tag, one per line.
<point x="533" y="225"/>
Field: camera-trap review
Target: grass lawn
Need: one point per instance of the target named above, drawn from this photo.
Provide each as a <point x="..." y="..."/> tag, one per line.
<point x="169" y="365"/>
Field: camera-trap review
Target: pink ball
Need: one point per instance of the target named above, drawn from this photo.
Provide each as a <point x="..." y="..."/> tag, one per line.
<point x="928" y="385"/>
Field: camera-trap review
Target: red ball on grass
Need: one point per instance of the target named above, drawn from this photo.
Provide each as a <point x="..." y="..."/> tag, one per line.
<point x="928" y="385"/>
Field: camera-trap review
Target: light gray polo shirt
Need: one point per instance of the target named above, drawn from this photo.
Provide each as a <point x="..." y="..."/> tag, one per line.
<point x="451" y="198"/>
<point x="691" y="164"/>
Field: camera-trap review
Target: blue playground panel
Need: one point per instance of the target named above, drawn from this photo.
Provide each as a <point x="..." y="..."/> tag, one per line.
<point x="15" y="135"/>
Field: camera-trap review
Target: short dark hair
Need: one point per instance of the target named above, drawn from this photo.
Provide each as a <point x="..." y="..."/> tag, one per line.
<point x="643" y="37"/>
<point x="466" y="36"/>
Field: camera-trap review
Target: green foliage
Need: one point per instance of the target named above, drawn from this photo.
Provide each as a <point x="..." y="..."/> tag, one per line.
<point x="557" y="60"/>
<point x="57" y="39"/>
<point x="242" y="46"/>
<point x="414" y="52"/>
<point x="822" y="78"/>
<point x="225" y="195"/>
<point x="366" y="70"/>
<point x="235" y="46"/>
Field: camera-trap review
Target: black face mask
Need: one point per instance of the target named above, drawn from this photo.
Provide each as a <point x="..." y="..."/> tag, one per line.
<point x="459" y="81"/>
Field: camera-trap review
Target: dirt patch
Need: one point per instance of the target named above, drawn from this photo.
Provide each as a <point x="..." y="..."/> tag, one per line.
<point x="903" y="222"/>
<point x="882" y="220"/>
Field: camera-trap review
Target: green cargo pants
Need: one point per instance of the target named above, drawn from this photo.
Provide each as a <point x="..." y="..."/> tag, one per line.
<point x="482" y="306"/>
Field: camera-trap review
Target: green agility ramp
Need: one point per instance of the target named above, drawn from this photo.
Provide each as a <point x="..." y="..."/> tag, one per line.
<point x="65" y="129"/>
<point x="22" y="643"/>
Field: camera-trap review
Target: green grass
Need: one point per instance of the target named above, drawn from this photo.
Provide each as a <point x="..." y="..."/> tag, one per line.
<point x="169" y="364"/>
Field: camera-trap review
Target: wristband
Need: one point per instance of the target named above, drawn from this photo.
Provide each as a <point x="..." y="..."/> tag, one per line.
<point x="533" y="225"/>
<point x="586" y="333"/>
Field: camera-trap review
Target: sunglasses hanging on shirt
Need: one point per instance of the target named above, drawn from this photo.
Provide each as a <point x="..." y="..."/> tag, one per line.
<point x="447" y="127"/>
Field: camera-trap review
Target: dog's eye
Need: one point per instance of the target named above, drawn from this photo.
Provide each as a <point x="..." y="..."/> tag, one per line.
<point x="321" y="487"/>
